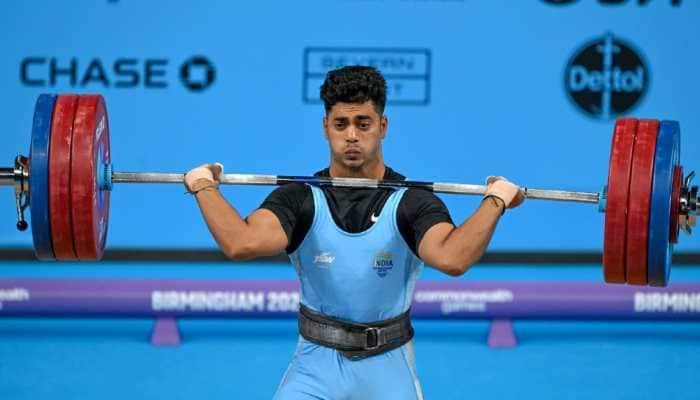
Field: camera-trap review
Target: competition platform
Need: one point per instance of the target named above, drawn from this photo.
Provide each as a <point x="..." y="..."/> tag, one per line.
<point x="207" y="330"/>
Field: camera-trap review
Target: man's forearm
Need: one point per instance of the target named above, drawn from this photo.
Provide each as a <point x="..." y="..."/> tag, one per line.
<point x="224" y="222"/>
<point x="465" y="245"/>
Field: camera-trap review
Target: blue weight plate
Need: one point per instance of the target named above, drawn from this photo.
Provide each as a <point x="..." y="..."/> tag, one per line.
<point x="39" y="177"/>
<point x="660" y="248"/>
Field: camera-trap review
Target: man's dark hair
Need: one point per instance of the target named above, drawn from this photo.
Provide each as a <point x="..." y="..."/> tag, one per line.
<point x="354" y="84"/>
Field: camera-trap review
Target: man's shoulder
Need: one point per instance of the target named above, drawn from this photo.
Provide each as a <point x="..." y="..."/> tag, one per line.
<point x="420" y="195"/>
<point x="392" y="175"/>
<point x="325" y="172"/>
<point x="290" y="191"/>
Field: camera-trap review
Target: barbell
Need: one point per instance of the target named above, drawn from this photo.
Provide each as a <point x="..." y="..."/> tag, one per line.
<point x="67" y="179"/>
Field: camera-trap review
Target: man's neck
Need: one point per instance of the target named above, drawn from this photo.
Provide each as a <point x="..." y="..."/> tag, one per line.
<point x="375" y="171"/>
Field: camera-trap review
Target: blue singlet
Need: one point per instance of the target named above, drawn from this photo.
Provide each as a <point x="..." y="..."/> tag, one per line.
<point x="361" y="277"/>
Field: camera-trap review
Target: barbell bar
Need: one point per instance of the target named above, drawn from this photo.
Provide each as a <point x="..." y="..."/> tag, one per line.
<point x="7" y="178"/>
<point x="67" y="178"/>
<point x="276" y="180"/>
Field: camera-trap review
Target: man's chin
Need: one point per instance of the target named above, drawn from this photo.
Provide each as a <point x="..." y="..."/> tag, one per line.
<point x="353" y="163"/>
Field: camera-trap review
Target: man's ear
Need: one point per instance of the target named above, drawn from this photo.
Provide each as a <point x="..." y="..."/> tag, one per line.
<point x="325" y="126"/>
<point x="383" y="125"/>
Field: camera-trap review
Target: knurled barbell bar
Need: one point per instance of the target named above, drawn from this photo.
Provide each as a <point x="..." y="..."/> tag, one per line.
<point x="67" y="178"/>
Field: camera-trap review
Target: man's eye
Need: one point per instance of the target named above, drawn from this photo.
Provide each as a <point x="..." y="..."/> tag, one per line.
<point x="339" y="125"/>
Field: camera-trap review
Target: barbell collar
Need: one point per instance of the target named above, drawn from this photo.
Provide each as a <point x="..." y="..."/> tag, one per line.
<point x="17" y="176"/>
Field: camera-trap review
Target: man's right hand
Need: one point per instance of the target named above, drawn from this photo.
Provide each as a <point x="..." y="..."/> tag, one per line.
<point x="204" y="176"/>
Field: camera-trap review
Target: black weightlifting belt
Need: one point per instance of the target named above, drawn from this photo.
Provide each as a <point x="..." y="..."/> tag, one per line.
<point x="355" y="341"/>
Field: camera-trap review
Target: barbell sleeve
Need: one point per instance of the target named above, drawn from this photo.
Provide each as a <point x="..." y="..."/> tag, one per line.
<point x="7" y="177"/>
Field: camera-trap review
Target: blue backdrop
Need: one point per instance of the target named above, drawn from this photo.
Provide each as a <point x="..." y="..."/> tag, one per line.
<point x="477" y="88"/>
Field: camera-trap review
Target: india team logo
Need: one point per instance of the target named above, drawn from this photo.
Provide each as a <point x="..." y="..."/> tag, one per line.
<point x="383" y="263"/>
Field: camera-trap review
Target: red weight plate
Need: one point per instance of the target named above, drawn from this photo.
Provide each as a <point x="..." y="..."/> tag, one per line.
<point x="619" y="173"/>
<point x="676" y="203"/>
<point x="90" y="151"/>
<point x="639" y="201"/>
<point x="59" y="177"/>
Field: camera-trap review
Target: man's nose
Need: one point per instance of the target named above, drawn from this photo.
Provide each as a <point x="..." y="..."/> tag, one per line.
<point x="351" y="135"/>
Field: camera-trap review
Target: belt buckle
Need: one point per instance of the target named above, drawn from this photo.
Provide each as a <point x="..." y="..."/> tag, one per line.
<point x="372" y="333"/>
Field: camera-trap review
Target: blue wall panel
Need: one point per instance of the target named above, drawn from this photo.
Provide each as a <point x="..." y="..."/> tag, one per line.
<point x="477" y="89"/>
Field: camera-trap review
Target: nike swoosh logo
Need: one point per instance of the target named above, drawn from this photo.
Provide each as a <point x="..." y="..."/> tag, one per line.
<point x="373" y="218"/>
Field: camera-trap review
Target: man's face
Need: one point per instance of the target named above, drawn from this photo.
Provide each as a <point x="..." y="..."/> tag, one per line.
<point x="354" y="132"/>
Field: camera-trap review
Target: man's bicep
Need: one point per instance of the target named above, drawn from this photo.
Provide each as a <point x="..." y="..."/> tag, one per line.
<point x="269" y="236"/>
<point x="287" y="203"/>
<point x="419" y="212"/>
<point x="430" y="248"/>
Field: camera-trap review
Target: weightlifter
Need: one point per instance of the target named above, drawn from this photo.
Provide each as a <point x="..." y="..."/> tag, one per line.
<point x="357" y="252"/>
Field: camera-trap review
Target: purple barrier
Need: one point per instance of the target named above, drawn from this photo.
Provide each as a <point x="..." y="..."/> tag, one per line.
<point x="499" y="301"/>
